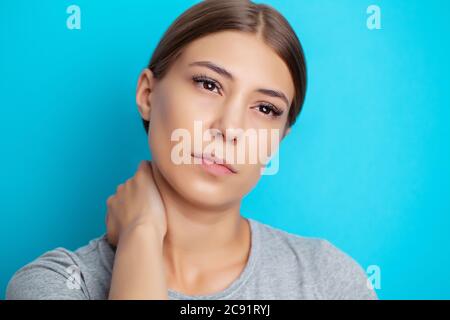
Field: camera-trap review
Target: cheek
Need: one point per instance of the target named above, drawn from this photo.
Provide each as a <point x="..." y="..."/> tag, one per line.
<point x="163" y="119"/>
<point x="167" y="114"/>
<point x="272" y="144"/>
<point x="179" y="106"/>
<point x="250" y="176"/>
<point x="260" y="145"/>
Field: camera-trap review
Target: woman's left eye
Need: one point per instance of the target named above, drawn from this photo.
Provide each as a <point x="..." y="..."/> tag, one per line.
<point x="269" y="108"/>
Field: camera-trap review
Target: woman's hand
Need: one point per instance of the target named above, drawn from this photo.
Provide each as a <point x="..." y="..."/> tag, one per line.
<point x="136" y="202"/>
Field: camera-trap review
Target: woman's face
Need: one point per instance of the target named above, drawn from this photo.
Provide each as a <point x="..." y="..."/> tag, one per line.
<point x="229" y="107"/>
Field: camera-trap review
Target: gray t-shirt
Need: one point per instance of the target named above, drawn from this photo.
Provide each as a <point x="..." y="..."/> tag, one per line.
<point x="281" y="265"/>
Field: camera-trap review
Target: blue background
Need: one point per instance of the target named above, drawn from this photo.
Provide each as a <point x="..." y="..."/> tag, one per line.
<point x="366" y="166"/>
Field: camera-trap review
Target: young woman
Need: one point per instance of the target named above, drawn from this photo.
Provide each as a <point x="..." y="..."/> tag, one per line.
<point x="175" y="231"/>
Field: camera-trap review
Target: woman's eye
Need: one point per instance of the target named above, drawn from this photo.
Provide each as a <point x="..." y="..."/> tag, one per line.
<point x="207" y="84"/>
<point x="269" y="110"/>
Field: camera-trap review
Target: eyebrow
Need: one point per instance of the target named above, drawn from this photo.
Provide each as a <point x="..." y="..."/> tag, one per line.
<point x="222" y="71"/>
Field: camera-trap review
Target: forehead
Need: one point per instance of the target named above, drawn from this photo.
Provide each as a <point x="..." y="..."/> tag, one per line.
<point x="245" y="56"/>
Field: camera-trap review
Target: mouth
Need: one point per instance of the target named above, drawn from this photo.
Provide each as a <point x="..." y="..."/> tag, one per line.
<point x="215" y="165"/>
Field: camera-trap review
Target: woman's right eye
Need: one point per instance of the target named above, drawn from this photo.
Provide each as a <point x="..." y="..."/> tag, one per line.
<point x="206" y="83"/>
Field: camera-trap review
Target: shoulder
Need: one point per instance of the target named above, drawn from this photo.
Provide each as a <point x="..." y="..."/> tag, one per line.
<point x="332" y="273"/>
<point x="63" y="274"/>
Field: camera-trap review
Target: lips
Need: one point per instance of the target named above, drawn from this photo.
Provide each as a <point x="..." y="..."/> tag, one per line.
<point x="215" y="163"/>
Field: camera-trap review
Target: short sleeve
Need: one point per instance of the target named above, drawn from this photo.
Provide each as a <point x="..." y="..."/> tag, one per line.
<point x="340" y="276"/>
<point x="53" y="276"/>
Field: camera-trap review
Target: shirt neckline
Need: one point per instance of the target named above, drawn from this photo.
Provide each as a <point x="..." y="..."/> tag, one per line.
<point x="237" y="283"/>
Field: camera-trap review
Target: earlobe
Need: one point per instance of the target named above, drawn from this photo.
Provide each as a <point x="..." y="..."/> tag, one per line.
<point x="143" y="92"/>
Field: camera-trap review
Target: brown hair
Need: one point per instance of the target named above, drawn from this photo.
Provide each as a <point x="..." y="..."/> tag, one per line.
<point x="210" y="16"/>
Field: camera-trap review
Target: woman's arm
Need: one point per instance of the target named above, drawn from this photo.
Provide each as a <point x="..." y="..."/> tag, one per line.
<point x="136" y="223"/>
<point x="138" y="271"/>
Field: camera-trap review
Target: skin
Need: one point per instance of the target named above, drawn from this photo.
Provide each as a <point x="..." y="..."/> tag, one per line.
<point x="178" y="226"/>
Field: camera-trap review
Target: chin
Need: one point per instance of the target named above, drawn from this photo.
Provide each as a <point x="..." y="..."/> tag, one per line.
<point x="202" y="189"/>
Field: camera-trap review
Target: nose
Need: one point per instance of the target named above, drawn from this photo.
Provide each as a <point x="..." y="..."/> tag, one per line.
<point x="229" y="123"/>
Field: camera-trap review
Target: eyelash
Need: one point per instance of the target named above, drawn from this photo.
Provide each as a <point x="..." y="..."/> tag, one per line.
<point x="276" y="112"/>
<point x="204" y="79"/>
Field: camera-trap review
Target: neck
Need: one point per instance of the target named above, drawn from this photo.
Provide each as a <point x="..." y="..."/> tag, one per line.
<point x="197" y="234"/>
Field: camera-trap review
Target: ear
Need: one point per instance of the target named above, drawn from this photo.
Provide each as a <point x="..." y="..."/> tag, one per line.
<point x="143" y="92"/>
